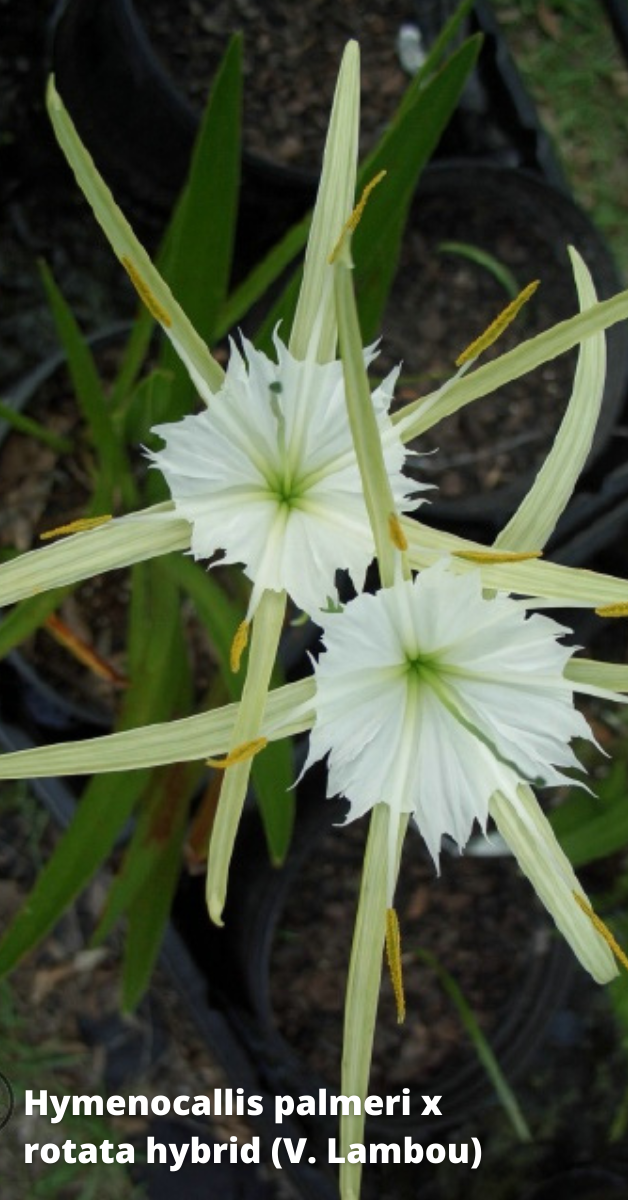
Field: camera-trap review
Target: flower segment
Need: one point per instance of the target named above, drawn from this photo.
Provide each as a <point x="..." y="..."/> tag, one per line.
<point x="435" y="699"/>
<point x="268" y="474"/>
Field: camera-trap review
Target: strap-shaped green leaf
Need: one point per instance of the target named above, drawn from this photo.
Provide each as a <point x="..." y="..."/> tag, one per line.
<point x="114" y="483"/>
<point x="198" y="249"/>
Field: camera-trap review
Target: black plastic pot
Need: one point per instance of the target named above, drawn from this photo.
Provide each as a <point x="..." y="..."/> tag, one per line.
<point x="526" y="225"/>
<point x="237" y="962"/>
<point x="141" y="130"/>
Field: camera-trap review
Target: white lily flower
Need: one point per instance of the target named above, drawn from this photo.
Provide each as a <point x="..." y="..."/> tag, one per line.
<point x="443" y="703"/>
<point x="268" y="474"/>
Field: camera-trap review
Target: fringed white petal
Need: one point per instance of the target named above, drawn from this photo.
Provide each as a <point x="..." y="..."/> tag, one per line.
<point x="268" y="474"/>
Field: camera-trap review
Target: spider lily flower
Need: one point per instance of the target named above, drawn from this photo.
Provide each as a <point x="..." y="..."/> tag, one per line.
<point x="445" y="705"/>
<point x="268" y="475"/>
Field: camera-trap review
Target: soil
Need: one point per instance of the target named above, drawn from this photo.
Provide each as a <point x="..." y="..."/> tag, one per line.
<point x="478" y="917"/>
<point x="291" y="59"/>
<point x="442" y="300"/>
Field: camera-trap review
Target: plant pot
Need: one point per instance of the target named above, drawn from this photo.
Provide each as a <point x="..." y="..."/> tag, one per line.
<point x="294" y="927"/>
<point x="137" y="75"/>
<point x="488" y="453"/>
<point x="140" y="129"/>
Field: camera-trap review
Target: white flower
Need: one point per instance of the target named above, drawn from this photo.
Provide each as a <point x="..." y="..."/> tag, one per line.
<point x="445" y="704"/>
<point x="268" y="475"/>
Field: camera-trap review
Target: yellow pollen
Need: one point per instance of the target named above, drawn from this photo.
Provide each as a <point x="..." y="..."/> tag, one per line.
<point x="155" y="309"/>
<point x="497" y="327"/>
<point x="238" y="646"/>
<point x="602" y="929"/>
<point x="354" y="220"/>
<point x="80" y="526"/>
<point x="613" y="610"/>
<point x="393" y="956"/>
<point x="238" y="754"/>
<point x="397" y="536"/>
<point x="497" y="556"/>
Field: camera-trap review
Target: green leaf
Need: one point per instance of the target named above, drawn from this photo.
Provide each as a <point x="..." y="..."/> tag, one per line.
<point x="501" y="273"/>
<point x="198" y="250"/>
<point x="149" y="404"/>
<point x="219" y="614"/>
<point x="114" y="481"/>
<point x="483" y="1050"/>
<point x="23" y="424"/>
<point x="26" y="617"/>
<point x="589" y="827"/>
<point x="260" y="279"/>
<point x="402" y="152"/>
<point x="150" y="904"/>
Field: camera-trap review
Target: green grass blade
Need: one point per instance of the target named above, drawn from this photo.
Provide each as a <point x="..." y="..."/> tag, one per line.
<point x="115" y="478"/>
<point x="485" y="1055"/>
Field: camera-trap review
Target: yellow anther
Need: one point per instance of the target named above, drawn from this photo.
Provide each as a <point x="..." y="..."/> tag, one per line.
<point x="239" y="754"/>
<point x="238" y="646"/>
<point x="497" y="326"/>
<point x="393" y="956"/>
<point x="602" y="929"/>
<point x="354" y="220"/>
<point x="397" y="536"/>
<point x="155" y="309"/>
<point x="613" y="610"/>
<point x="80" y="526"/>
<point x="497" y="556"/>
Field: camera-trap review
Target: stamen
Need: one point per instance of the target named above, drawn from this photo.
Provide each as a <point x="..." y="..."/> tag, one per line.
<point x="497" y="556"/>
<point x="239" y="754"/>
<point x="79" y="526"/>
<point x="613" y="610"/>
<point x="393" y="956"/>
<point x="356" y="216"/>
<point x="602" y="929"/>
<point x="497" y="326"/>
<point x="238" y="646"/>
<point x="397" y="536"/>
<point x="155" y="309"/>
